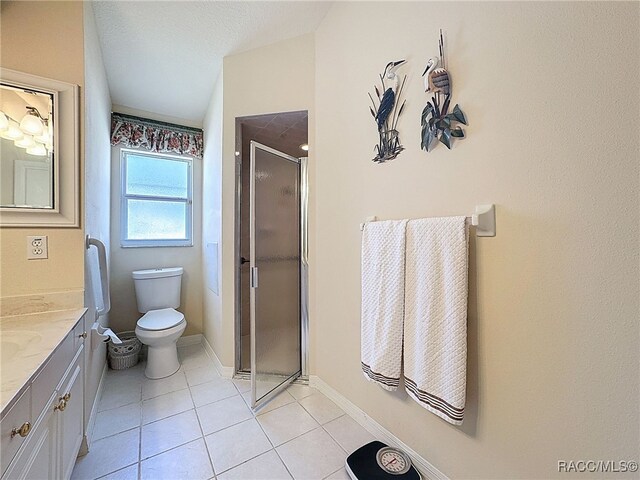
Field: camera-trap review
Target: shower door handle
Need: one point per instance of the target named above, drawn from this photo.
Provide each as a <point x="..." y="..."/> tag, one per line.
<point x="254" y="277"/>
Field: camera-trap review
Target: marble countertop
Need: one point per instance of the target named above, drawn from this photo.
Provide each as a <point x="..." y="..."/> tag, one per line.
<point x="26" y="343"/>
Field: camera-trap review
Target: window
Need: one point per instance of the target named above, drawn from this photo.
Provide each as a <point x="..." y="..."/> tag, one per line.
<point x="156" y="200"/>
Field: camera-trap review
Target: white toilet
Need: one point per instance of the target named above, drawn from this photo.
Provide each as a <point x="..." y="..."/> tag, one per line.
<point x="158" y="294"/>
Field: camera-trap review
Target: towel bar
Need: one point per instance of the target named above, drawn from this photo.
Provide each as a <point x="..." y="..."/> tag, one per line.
<point x="484" y="219"/>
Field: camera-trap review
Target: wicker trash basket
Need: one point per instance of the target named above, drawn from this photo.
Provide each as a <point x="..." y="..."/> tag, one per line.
<point x="126" y="354"/>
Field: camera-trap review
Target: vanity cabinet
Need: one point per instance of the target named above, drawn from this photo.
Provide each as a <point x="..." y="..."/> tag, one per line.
<point x="53" y="405"/>
<point x="70" y="421"/>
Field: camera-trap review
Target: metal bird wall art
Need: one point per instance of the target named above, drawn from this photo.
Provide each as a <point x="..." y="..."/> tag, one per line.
<point x="437" y="121"/>
<point x="386" y="112"/>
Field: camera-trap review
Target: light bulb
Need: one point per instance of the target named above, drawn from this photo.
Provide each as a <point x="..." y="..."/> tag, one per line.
<point x="43" y="138"/>
<point x="304" y="147"/>
<point x="38" y="149"/>
<point x="12" y="132"/>
<point x="25" y="142"/>
<point x="31" y="124"/>
<point x="4" y="122"/>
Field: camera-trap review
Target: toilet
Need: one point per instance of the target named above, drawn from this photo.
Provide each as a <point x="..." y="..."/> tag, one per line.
<point x="158" y="295"/>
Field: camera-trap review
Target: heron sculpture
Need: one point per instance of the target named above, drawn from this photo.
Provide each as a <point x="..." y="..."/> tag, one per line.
<point x="436" y="80"/>
<point x="437" y="121"/>
<point x="386" y="113"/>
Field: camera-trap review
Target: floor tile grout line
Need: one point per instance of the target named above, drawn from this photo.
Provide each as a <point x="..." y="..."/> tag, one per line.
<point x="115" y="471"/>
<point x="269" y="411"/>
<point x="114" y="434"/>
<point x="140" y="433"/>
<point x="312" y="415"/>
<point x="140" y="448"/>
<point x="169" y="449"/>
<point x="119" y="406"/>
<point x="215" y="401"/>
<point x="146" y="424"/>
<point x="206" y="446"/>
<point x="255" y="416"/>
<point x="248" y="459"/>
<point x="203" y="437"/>
<point x="286" y="467"/>
<point x="334" y="438"/>
<point x="333" y="473"/>
<point x="252" y="458"/>
<point x="319" y="425"/>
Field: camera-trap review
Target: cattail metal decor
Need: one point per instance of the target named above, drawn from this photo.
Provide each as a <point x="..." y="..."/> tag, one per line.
<point x="385" y="112"/>
<point x="437" y="121"/>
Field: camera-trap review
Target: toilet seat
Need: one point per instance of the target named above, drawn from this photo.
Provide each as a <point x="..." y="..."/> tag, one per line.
<point x="162" y="319"/>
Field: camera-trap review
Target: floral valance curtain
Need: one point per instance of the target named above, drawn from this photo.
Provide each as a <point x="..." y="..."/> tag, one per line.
<point x="155" y="136"/>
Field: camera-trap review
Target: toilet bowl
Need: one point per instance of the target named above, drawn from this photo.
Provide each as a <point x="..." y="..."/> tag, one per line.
<point x="158" y="295"/>
<point x="160" y="331"/>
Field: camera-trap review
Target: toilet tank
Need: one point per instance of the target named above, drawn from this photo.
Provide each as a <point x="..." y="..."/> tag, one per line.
<point x="157" y="288"/>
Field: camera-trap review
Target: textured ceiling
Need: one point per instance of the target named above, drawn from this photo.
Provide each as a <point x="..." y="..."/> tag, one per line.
<point x="164" y="57"/>
<point x="282" y="131"/>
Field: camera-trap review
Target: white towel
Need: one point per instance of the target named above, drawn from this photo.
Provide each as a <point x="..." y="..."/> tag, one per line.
<point x="383" y="246"/>
<point x="435" y="320"/>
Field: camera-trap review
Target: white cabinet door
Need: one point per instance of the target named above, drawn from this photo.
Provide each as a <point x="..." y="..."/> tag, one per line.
<point x="70" y="421"/>
<point x="39" y="457"/>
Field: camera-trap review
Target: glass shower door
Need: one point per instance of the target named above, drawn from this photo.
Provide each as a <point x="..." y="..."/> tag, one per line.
<point x="275" y="272"/>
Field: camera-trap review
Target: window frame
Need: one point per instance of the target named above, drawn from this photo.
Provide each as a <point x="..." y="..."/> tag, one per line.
<point x="125" y="242"/>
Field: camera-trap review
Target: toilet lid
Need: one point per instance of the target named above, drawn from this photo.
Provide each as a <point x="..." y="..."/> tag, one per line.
<point x="160" y="319"/>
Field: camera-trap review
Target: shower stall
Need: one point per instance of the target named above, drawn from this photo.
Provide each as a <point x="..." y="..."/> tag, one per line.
<point x="271" y="246"/>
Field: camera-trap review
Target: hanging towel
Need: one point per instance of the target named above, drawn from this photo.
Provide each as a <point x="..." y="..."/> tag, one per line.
<point x="383" y="247"/>
<point x="435" y="321"/>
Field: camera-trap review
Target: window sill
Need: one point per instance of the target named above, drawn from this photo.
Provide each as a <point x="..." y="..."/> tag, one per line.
<point x="146" y="244"/>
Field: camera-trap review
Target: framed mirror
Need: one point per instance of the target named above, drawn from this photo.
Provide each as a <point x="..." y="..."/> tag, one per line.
<point x="39" y="151"/>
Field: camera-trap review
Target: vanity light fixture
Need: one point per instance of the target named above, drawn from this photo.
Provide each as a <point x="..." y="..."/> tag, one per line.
<point x="305" y="147"/>
<point x="4" y="122"/>
<point x="25" y="142"/>
<point x="37" y="149"/>
<point x="35" y="133"/>
<point x="32" y="123"/>
<point x="12" y="132"/>
<point x="46" y="136"/>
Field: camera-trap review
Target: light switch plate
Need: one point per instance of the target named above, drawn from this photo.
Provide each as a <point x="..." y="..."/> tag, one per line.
<point x="37" y="247"/>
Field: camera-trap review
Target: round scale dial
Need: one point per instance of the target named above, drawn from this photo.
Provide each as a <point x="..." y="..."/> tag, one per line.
<point x="393" y="461"/>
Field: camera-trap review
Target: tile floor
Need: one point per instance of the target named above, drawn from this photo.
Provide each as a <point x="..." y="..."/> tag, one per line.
<point x="198" y="425"/>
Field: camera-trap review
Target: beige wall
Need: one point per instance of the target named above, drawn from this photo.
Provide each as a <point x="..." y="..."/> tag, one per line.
<point x="97" y="146"/>
<point x="275" y="78"/>
<point x="28" y="45"/>
<point x="551" y="94"/>
<point x="212" y="220"/>
<point x="124" y="312"/>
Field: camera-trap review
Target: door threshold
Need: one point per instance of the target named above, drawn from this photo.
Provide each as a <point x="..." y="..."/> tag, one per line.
<point x="245" y="375"/>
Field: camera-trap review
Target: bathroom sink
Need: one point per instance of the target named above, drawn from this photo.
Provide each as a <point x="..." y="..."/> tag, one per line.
<point x="11" y="342"/>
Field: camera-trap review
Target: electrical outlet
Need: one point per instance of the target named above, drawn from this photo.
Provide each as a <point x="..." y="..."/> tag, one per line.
<point x="37" y="247"/>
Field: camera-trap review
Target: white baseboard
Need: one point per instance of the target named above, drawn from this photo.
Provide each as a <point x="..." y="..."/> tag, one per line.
<point x="225" y="372"/>
<point x="86" y="441"/>
<point x="190" y="340"/>
<point x="424" y="467"/>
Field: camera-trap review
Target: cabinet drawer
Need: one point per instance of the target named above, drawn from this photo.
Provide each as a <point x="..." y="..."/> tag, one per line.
<point x="36" y="459"/>
<point x="15" y="418"/>
<point x="50" y="376"/>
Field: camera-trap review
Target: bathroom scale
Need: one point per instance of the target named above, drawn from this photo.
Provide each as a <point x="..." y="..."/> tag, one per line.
<point x="377" y="461"/>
